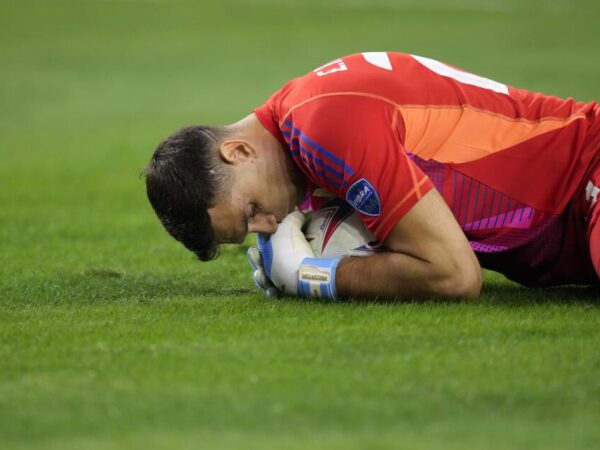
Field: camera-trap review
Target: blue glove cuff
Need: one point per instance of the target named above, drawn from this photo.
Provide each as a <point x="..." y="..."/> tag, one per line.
<point x="265" y="247"/>
<point x="316" y="278"/>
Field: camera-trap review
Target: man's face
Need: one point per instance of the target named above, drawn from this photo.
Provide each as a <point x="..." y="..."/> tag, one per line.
<point x="266" y="187"/>
<point x="255" y="204"/>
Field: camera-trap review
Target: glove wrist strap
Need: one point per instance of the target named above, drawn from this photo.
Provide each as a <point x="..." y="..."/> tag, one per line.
<point x="316" y="278"/>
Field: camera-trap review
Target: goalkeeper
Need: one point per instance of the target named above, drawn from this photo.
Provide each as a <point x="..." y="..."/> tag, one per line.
<point x="450" y="170"/>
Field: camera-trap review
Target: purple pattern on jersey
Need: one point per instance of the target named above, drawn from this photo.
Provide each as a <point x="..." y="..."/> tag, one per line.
<point x="492" y="221"/>
<point x="517" y="218"/>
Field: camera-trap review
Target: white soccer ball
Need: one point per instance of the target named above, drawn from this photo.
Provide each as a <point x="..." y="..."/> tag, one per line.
<point x="336" y="230"/>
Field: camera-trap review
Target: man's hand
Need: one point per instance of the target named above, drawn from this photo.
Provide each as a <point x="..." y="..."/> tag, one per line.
<point x="290" y="263"/>
<point x="259" y="276"/>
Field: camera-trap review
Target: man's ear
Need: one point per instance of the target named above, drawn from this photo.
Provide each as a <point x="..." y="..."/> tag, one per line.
<point x="236" y="151"/>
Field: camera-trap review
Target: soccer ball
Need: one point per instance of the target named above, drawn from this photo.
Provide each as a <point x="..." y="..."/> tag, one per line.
<point x="336" y="230"/>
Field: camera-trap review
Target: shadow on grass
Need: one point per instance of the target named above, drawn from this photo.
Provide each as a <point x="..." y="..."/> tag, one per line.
<point x="493" y="294"/>
<point x="512" y="294"/>
<point x="503" y="292"/>
<point x="112" y="285"/>
<point x="109" y="285"/>
<point x="105" y="284"/>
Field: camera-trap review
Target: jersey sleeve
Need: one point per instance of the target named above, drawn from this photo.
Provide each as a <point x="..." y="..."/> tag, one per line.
<point x="351" y="146"/>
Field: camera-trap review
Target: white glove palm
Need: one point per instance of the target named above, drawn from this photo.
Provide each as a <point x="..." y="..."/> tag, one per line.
<point x="290" y="263"/>
<point x="283" y="252"/>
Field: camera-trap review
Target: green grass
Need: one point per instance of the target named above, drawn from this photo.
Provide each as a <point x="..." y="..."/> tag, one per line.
<point x="113" y="337"/>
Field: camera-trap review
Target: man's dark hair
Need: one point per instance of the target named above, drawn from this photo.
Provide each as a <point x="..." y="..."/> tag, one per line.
<point x="183" y="179"/>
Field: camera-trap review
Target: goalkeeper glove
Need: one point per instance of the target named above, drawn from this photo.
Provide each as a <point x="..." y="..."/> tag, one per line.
<point x="259" y="276"/>
<point x="290" y="263"/>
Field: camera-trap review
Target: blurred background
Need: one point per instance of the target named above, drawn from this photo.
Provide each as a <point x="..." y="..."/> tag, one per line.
<point x="102" y="330"/>
<point x="89" y="87"/>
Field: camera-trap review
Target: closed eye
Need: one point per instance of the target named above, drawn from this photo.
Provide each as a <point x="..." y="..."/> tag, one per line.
<point x="250" y="210"/>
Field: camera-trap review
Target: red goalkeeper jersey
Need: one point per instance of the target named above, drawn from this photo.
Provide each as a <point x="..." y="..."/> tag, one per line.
<point x="382" y="129"/>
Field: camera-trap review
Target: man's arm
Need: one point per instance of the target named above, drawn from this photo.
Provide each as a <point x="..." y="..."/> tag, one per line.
<point x="428" y="256"/>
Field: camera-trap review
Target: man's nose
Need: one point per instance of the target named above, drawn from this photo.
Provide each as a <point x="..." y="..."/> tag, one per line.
<point x="262" y="223"/>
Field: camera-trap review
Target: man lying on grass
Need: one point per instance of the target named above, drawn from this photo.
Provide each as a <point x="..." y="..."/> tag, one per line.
<point x="452" y="171"/>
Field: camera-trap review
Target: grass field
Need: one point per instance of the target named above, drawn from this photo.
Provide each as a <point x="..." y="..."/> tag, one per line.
<point x="113" y="337"/>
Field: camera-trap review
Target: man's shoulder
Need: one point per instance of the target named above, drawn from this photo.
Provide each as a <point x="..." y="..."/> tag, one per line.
<point x="358" y="75"/>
